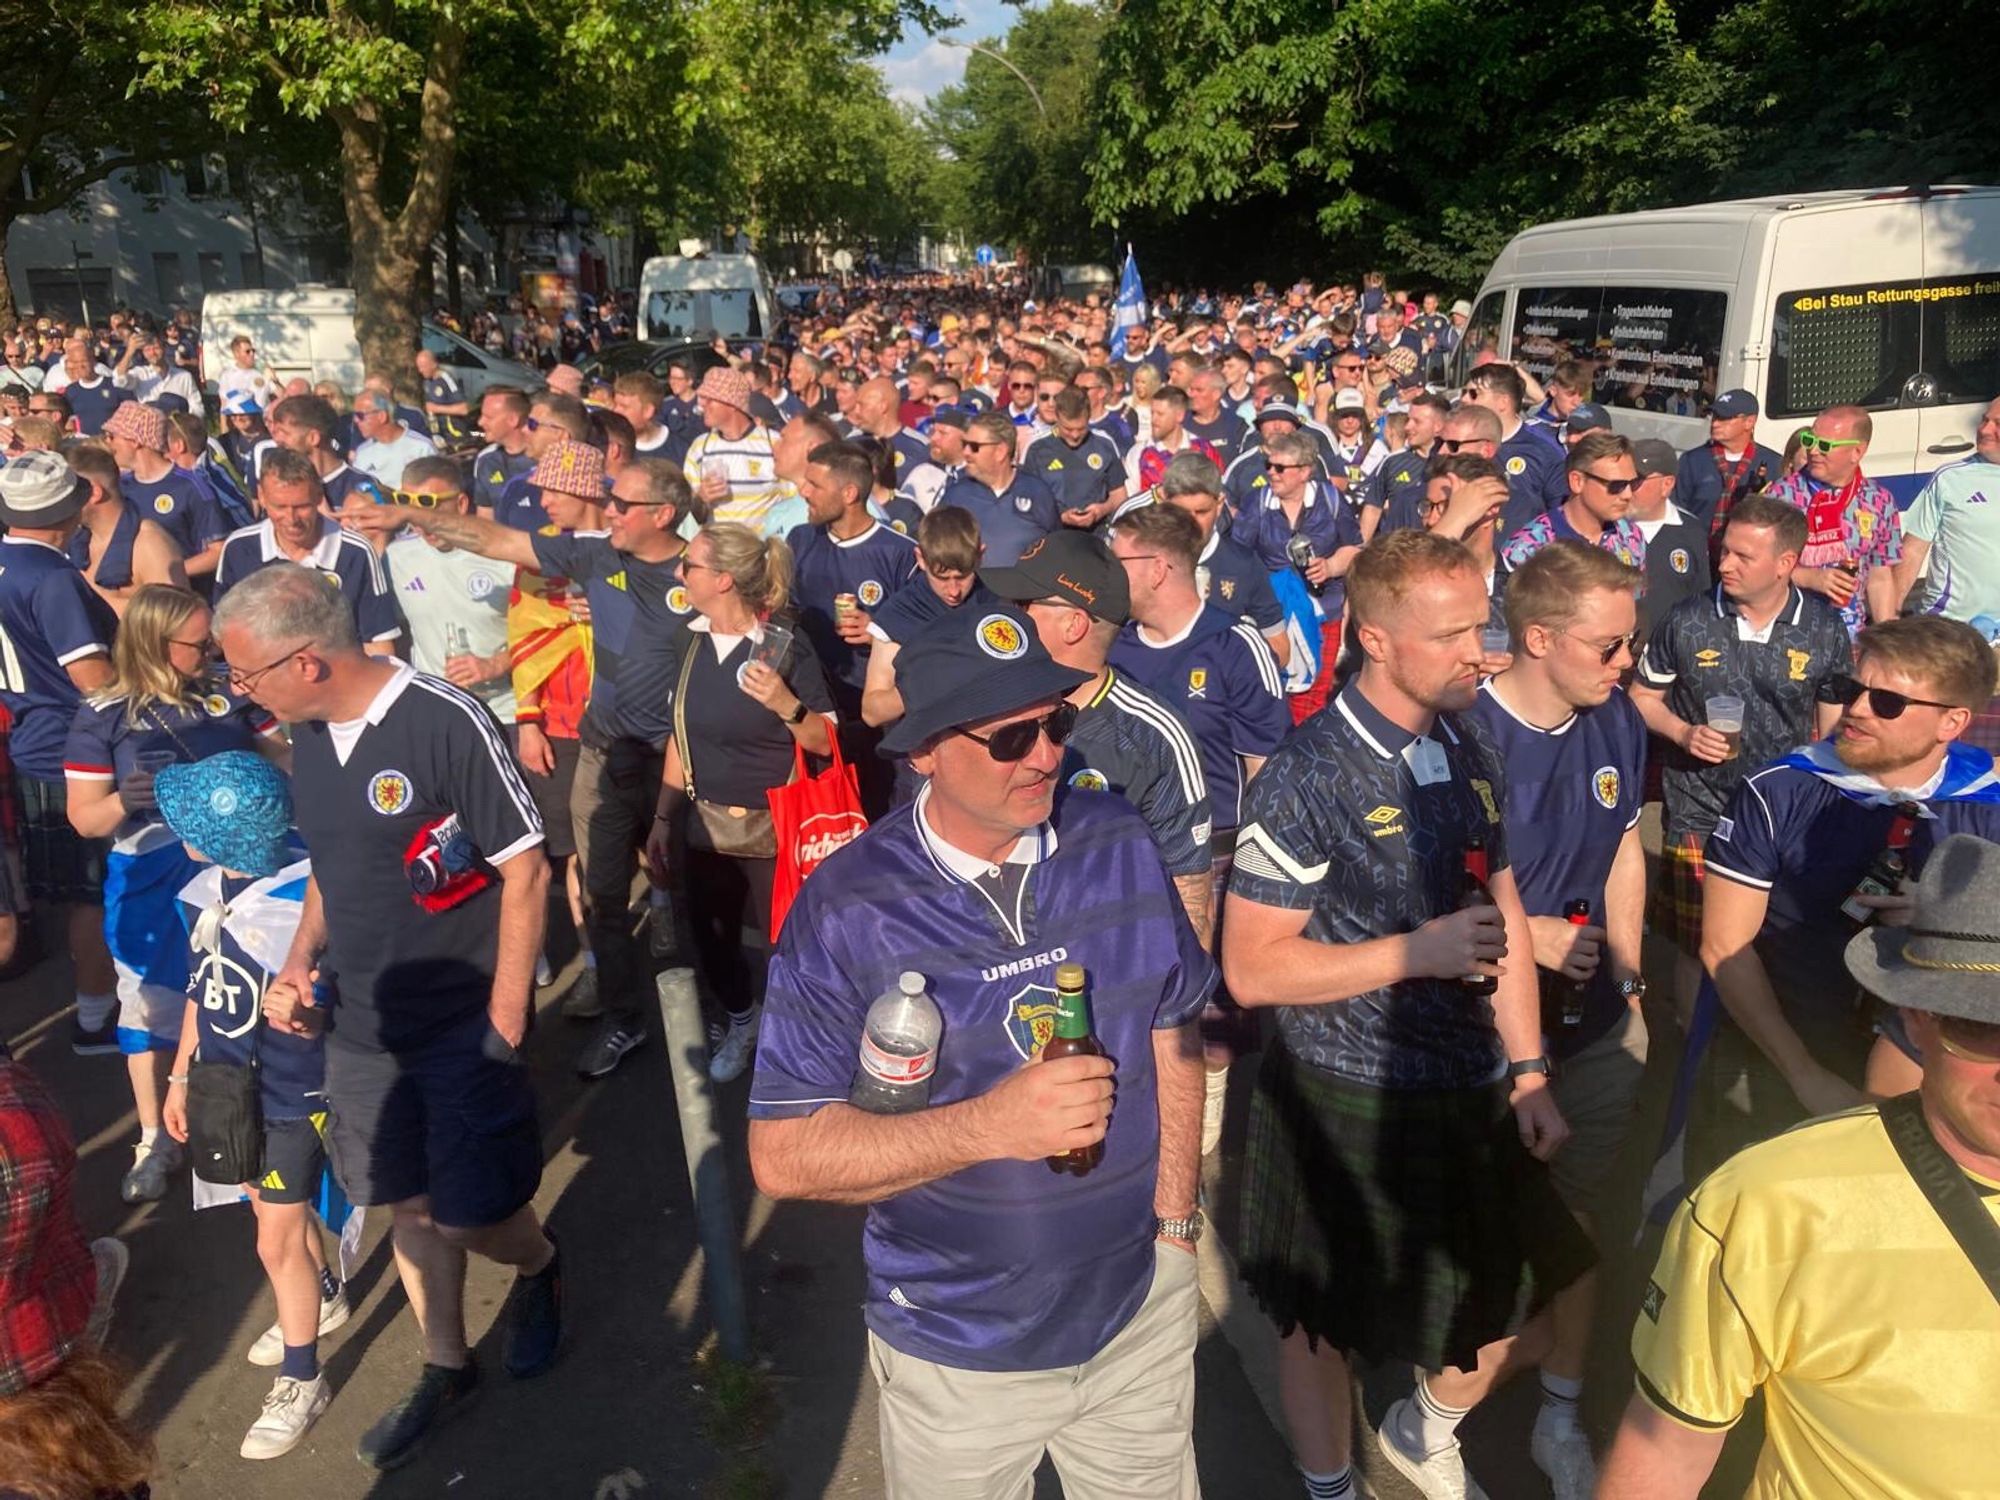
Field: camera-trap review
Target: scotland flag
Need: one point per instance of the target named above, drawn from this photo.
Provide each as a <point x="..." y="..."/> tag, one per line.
<point x="1130" y="307"/>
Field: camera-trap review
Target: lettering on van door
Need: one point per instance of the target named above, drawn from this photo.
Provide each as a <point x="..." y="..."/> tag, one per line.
<point x="1644" y="348"/>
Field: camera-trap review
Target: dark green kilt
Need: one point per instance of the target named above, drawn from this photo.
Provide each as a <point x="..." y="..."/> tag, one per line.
<point x="1398" y="1224"/>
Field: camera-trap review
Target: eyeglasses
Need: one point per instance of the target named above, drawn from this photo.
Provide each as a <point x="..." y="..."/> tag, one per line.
<point x="1884" y="703"/>
<point x="421" y="502"/>
<point x="1612" y="486"/>
<point x="1012" y="742"/>
<point x="246" y="682"/>
<point x="977" y="443"/>
<point x="1812" y="442"/>
<point x="1432" y="507"/>
<point x="1967" y="1040"/>
<point x="1278" y="468"/>
<point x="1452" y="445"/>
<point x="205" y="647"/>
<point x="1607" y="651"/>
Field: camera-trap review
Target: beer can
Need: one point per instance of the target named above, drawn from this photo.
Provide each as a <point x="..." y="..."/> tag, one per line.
<point x="844" y="605"/>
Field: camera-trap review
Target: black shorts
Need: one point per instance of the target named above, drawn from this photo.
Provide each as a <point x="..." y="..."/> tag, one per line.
<point x="453" y="1119"/>
<point x="551" y="793"/>
<point x="294" y="1153"/>
<point x="60" y="865"/>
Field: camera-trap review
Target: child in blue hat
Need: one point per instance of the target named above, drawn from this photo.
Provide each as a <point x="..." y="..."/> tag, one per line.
<point x="233" y="811"/>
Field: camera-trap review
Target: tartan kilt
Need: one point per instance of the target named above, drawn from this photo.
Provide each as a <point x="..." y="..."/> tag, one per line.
<point x="1674" y="907"/>
<point x="1398" y="1224"/>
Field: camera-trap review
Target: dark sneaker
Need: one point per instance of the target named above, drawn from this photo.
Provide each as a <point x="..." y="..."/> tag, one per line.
<point x="93" y="1043"/>
<point x="604" y="1052"/>
<point x="439" y="1395"/>
<point x="533" y="1320"/>
<point x="582" y="1002"/>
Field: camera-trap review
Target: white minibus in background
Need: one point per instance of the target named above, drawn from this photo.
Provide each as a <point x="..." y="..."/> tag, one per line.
<point x="1886" y="299"/>
<point x="701" y="296"/>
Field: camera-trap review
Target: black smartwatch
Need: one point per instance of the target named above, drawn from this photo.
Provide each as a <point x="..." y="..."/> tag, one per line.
<point x="798" y="714"/>
<point x="1529" y="1065"/>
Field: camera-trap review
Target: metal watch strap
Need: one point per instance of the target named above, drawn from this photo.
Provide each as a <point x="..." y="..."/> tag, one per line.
<point x="1188" y="1229"/>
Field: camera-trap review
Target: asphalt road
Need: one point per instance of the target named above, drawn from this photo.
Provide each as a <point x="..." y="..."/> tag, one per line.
<point x="625" y="1413"/>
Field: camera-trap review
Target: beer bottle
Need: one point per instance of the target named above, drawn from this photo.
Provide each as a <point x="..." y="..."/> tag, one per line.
<point x="1073" y="1038"/>
<point x="1577" y="914"/>
<point x="1886" y="873"/>
<point x="1473" y="892"/>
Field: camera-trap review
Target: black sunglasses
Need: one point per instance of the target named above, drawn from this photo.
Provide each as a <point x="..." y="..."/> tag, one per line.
<point x="1885" y="703"/>
<point x="1012" y="742"/>
<point x="1452" y="445"/>
<point x="1608" y="652"/>
<point x="1613" y="486"/>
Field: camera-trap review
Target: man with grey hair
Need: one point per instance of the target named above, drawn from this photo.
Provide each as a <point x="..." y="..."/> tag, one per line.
<point x="386" y="444"/>
<point x="1226" y="572"/>
<point x="424" y="912"/>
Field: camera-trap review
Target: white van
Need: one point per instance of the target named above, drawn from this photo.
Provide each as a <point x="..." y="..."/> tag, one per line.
<point x="310" y="332"/>
<point x="699" y="296"/>
<point x="1888" y="300"/>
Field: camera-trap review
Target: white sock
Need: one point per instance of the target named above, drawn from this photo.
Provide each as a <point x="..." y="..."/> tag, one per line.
<point x="149" y="1136"/>
<point x="1428" y="1425"/>
<point x="1559" y="1398"/>
<point x="1338" y="1485"/>
<point x="589" y="959"/>
<point x="92" y="1011"/>
<point x="543" y="973"/>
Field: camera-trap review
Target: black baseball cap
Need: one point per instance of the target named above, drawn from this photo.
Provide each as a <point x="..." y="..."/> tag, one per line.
<point x="1077" y="567"/>
<point x="972" y="663"/>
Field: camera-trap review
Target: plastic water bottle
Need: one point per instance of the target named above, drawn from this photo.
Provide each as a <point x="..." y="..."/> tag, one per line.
<point x="898" y="1050"/>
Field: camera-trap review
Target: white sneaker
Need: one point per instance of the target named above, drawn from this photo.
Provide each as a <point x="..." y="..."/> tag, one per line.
<point x="269" y="1350"/>
<point x="1437" y="1476"/>
<point x="289" y="1411"/>
<point x="733" y="1056"/>
<point x="1563" y="1453"/>
<point x="151" y="1167"/>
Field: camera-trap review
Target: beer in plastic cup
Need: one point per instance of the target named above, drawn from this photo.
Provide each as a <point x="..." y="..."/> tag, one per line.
<point x="1725" y="717"/>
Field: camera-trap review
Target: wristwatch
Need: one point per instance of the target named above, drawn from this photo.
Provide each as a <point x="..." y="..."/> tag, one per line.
<point x="1188" y="1229"/>
<point x="1529" y="1065"/>
<point x="798" y="714"/>
<point x="1631" y="989"/>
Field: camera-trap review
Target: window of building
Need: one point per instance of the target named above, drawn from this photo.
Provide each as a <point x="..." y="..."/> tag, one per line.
<point x="253" y="270"/>
<point x="148" y="180"/>
<point x="206" y="176"/>
<point x="211" y="272"/>
<point x="168" y="285"/>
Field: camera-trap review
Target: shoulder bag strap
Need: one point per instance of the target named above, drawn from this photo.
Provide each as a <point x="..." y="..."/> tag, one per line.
<point x="1943" y="1182"/>
<point x="680" y="714"/>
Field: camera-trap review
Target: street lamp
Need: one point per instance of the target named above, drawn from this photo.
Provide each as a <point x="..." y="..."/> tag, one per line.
<point x="985" y="51"/>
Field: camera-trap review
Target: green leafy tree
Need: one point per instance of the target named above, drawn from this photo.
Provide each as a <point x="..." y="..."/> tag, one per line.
<point x="66" y="120"/>
<point x="1017" y="133"/>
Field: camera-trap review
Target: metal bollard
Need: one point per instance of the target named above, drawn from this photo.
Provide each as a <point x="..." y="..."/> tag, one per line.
<point x="707" y="1167"/>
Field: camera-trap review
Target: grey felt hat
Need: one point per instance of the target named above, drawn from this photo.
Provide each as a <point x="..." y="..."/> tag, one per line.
<point x="1947" y="961"/>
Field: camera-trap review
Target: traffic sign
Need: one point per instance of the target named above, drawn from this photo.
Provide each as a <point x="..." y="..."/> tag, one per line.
<point x="984" y="255"/>
<point x="843" y="261"/>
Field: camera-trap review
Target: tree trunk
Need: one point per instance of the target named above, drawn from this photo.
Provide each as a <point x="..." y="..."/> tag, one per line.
<point x="9" y="309"/>
<point x="388" y="252"/>
<point x="454" y="271"/>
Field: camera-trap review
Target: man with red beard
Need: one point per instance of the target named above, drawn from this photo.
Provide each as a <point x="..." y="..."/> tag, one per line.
<point x="1793" y="858"/>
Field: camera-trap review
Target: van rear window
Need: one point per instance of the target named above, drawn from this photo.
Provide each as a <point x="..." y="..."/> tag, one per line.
<point x="1647" y="348"/>
<point x="1859" y="345"/>
<point x="731" y="312"/>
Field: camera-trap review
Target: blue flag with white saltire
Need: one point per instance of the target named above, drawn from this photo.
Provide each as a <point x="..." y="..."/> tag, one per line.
<point x="1130" y="307"/>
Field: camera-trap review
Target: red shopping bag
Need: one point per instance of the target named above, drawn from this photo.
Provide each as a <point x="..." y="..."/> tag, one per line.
<point x="812" y="816"/>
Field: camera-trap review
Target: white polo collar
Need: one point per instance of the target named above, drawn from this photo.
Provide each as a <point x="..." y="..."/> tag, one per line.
<point x="1031" y="848"/>
<point x="325" y="552"/>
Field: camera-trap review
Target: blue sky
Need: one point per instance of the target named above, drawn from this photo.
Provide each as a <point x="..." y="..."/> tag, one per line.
<point x="918" y="65"/>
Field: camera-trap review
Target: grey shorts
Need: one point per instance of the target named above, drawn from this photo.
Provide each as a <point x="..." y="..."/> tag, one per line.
<point x="1597" y="1091"/>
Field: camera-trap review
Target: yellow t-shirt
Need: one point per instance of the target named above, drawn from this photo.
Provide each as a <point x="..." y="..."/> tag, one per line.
<point x="1813" y="1266"/>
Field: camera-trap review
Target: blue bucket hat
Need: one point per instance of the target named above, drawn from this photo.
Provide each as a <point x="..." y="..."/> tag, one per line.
<point x="236" y="808"/>
<point x="971" y="664"/>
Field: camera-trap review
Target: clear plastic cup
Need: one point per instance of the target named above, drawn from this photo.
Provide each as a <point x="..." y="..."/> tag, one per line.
<point x="774" y="648"/>
<point x="1725" y="717"/>
<point x="1495" y="641"/>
